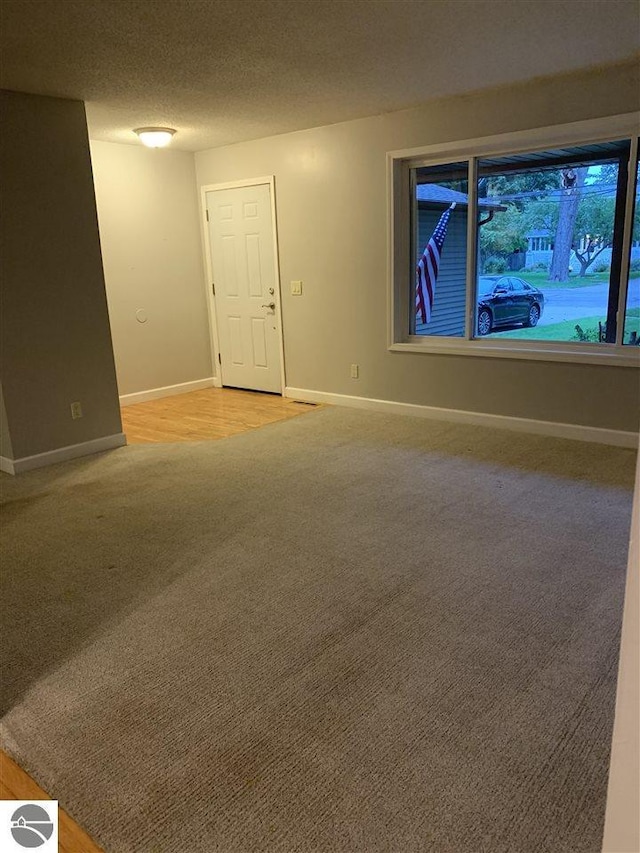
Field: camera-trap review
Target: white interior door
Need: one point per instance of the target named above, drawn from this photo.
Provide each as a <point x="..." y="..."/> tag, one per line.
<point x="245" y="288"/>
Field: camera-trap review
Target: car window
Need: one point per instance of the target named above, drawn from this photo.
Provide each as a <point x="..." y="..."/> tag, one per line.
<point x="517" y="284"/>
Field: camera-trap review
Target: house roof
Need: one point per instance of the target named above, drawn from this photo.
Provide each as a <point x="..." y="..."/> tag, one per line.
<point x="437" y="194"/>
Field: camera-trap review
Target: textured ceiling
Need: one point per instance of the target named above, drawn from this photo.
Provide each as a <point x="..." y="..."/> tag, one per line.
<point x="223" y="71"/>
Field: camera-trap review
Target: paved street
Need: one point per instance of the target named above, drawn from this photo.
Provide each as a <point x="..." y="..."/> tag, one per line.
<point x="574" y="303"/>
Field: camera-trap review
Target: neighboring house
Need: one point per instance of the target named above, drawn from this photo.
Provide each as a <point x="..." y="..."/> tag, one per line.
<point x="540" y="251"/>
<point x="450" y="294"/>
<point x="539" y="241"/>
<point x="539" y="247"/>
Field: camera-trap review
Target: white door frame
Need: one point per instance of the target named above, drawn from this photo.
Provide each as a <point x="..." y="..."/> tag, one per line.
<point x="211" y="302"/>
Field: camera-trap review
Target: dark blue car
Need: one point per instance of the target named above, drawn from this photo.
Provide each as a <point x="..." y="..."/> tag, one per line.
<point x="504" y="300"/>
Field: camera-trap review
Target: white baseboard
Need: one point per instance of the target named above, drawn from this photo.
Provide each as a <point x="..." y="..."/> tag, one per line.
<point x="579" y="432"/>
<point x="63" y="454"/>
<point x="6" y="465"/>
<point x="169" y="391"/>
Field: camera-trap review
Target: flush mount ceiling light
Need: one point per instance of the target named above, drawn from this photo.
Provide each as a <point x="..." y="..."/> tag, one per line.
<point x="155" y="137"/>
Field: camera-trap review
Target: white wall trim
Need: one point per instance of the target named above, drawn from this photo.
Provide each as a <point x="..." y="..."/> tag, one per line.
<point x="6" y="465"/>
<point x="611" y="354"/>
<point x="169" y="391"/>
<point x="558" y="430"/>
<point x="63" y="454"/>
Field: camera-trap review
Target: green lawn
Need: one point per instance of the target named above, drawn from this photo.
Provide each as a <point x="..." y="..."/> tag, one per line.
<point x="540" y="280"/>
<point x="566" y="331"/>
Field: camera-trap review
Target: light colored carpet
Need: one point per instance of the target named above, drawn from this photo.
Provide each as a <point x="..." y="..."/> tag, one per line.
<point x="346" y="632"/>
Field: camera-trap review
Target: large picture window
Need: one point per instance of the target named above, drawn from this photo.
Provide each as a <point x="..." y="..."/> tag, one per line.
<point x="530" y="252"/>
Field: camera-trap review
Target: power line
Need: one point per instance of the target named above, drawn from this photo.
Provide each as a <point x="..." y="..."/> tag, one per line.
<point x="554" y="195"/>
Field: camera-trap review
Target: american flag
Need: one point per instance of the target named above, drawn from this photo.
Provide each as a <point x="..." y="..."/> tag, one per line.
<point x="427" y="269"/>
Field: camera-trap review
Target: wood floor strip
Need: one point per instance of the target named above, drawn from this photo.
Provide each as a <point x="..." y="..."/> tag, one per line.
<point x="206" y="415"/>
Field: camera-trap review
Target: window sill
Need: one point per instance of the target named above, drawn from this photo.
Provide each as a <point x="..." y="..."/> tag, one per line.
<point x="610" y="354"/>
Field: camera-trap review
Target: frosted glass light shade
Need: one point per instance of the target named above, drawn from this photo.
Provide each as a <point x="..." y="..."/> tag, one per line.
<point x="155" y="137"/>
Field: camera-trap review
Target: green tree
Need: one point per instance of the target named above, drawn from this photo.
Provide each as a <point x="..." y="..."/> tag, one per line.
<point x="520" y="188"/>
<point x="575" y="204"/>
<point x="582" y="220"/>
<point x="570" y="195"/>
<point x="504" y="233"/>
<point x="595" y="220"/>
<point x="593" y="231"/>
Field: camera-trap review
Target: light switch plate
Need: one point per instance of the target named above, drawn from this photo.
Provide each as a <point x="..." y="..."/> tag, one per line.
<point x="296" y="288"/>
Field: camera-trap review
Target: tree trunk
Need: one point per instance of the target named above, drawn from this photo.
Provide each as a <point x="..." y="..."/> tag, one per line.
<point x="589" y="256"/>
<point x="569" y="201"/>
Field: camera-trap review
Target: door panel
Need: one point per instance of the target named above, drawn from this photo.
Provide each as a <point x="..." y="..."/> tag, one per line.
<point x="259" y="341"/>
<point x="505" y="307"/>
<point x="253" y="264"/>
<point x="246" y="290"/>
<point x="236" y="352"/>
<point x="520" y="301"/>
<point x="229" y="281"/>
<point x="499" y="304"/>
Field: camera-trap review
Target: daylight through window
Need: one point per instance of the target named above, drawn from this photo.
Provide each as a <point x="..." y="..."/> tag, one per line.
<point x="546" y="265"/>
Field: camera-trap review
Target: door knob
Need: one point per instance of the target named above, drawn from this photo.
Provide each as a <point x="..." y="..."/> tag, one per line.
<point x="271" y="305"/>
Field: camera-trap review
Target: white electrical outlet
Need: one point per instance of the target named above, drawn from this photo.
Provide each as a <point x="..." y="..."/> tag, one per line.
<point x="76" y="411"/>
<point x="355" y="371"/>
<point x="296" y="288"/>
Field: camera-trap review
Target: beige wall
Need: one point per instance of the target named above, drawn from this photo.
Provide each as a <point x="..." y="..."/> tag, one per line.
<point x="56" y="343"/>
<point x="150" y="235"/>
<point x="332" y="224"/>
